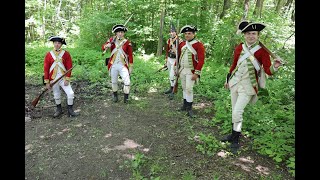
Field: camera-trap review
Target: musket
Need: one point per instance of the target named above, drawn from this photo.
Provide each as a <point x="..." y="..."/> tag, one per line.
<point x="175" y="87"/>
<point x="271" y="54"/>
<point x="105" y="50"/>
<point x="164" y="67"/>
<point x="127" y="20"/>
<point x="36" y="100"/>
<point x="114" y="38"/>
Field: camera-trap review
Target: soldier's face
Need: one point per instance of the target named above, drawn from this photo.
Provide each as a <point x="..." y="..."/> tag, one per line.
<point x="57" y="45"/>
<point x="173" y="34"/>
<point x="189" y="35"/>
<point x="251" y="37"/>
<point x="120" y="34"/>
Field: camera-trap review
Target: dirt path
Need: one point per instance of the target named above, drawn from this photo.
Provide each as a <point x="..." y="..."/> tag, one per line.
<point x="103" y="140"/>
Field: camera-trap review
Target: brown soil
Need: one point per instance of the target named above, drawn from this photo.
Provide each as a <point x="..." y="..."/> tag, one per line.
<point x="101" y="142"/>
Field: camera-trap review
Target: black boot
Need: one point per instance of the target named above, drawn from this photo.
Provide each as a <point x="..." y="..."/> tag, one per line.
<point x="183" y="108"/>
<point x="171" y="96"/>
<point x="71" y="113"/>
<point x="115" y="97"/>
<point x="169" y="90"/>
<point x="189" y="109"/>
<point x="229" y="137"/>
<point x="58" y="111"/>
<point x="235" y="145"/>
<point x="126" y="98"/>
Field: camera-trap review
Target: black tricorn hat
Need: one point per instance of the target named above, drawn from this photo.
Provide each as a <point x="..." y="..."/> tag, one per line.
<point x="246" y="26"/>
<point x="119" y="27"/>
<point x="187" y="28"/>
<point x="57" y="38"/>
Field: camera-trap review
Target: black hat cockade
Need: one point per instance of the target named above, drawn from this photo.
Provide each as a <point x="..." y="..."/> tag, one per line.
<point x="57" y="38"/>
<point x="188" y="28"/>
<point x="119" y="27"/>
<point x="245" y="26"/>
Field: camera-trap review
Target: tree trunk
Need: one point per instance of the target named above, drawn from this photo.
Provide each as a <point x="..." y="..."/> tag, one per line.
<point x="293" y="15"/>
<point x="152" y="18"/>
<point x="27" y="34"/>
<point x="257" y="8"/>
<point x="44" y="21"/>
<point x="226" y="6"/>
<point x="159" y="50"/>
<point x="58" y="15"/>
<point x="246" y="10"/>
<point x="244" y="16"/>
<point x="261" y="6"/>
<point x="278" y="7"/>
<point x="288" y="3"/>
<point x="80" y="7"/>
<point x="31" y="30"/>
<point x="287" y="6"/>
<point x="233" y="42"/>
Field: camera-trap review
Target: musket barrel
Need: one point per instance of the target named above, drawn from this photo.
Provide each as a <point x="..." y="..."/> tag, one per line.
<point x="36" y="100"/>
<point x="271" y="54"/>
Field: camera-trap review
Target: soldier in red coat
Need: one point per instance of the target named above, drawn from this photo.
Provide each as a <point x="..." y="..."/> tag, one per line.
<point x="242" y="79"/>
<point x="191" y="54"/>
<point x="56" y="63"/>
<point x="171" y="59"/>
<point x="120" y="62"/>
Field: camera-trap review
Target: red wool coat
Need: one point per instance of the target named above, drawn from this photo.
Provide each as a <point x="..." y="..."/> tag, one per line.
<point x="48" y="61"/>
<point x="261" y="55"/>
<point x="168" y="47"/>
<point x="126" y="47"/>
<point x="198" y="46"/>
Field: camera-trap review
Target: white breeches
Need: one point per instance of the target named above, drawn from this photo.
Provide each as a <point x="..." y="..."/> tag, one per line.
<point x="57" y="92"/>
<point x="187" y="84"/>
<point x="239" y="100"/>
<point x="116" y="70"/>
<point x="170" y="65"/>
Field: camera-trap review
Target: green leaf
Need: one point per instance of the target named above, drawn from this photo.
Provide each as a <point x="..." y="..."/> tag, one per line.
<point x="291" y="165"/>
<point x="268" y="151"/>
<point x="278" y="159"/>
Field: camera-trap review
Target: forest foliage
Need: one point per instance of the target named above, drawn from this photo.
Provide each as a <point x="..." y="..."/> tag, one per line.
<point x="86" y="25"/>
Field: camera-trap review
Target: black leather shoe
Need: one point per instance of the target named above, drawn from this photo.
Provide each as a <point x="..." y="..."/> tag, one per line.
<point x="126" y="98"/>
<point x="169" y="90"/>
<point x="71" y="113"/>
<point x="115" y="97"/>
<point x="58" y="111"/>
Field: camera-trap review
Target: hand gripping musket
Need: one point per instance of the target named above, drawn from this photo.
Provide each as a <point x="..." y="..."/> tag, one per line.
<point x="105" y="50"/>
<point x="114" y="38"/>
<point x="36" y="100"/>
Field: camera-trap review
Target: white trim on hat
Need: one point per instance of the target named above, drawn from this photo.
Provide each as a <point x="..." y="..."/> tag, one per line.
<point x="122" y="27"/>
<point x="114" y="28"/>
<point x="58" y="38"/>
<point x="53" y="37"/>
<point x="189" y="26"/>
<point x="242" y="22"/>
<point x="251" y="24"/>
